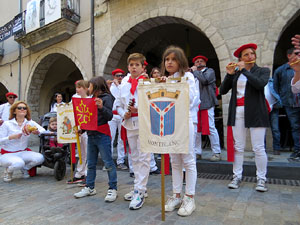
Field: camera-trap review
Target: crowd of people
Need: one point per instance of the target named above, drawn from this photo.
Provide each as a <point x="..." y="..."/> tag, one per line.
<point x="254" y="96"/>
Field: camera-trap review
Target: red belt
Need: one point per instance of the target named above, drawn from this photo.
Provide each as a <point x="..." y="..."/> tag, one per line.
<point x="240" y="101"/>
<point x="5" y="152"/>
<point x="115" y="112"/>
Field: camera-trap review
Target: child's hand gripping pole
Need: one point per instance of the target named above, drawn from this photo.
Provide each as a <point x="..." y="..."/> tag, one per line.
<point x="78" y="145"/>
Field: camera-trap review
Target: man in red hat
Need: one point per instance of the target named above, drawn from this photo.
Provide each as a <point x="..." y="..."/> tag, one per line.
<point x="4" y="108"/>
<point x="207" y="88"/>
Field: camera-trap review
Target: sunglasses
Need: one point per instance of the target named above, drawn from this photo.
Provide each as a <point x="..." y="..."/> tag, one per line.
<point x="12" y="97"/>
<point x="120" y="75"/>
<point x="20" y="108"/>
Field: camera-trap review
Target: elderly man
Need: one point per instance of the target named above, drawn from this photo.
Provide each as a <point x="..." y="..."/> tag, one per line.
<point x="4" y="108"/>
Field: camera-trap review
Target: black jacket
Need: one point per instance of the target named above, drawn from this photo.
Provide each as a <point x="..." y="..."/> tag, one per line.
<point x="105" y="114"/>
<point x="256" y="111"/>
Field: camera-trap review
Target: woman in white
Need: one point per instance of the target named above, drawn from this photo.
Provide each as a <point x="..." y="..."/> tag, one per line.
<point x="14" y="136"/>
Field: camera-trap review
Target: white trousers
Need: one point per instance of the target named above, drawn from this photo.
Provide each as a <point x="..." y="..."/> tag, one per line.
<point x="81" y="169"/>
<point x="187" y="161"/>
<point x="213" y="137"/>
<point x="21" y="160"/>
<point x="258" y="146"/>
<point x="140" y="161"/>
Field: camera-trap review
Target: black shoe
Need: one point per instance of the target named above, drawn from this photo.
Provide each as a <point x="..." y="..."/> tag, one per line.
<point x="294" y="155"/>
<point x="76" y="180"/>
<point x="131" y="175"/>
<point x="155" y="172"/>
<point x="276" y="152"/>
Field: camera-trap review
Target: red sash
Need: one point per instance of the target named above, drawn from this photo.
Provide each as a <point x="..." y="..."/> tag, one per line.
<point x="203" y="122"/>
<point x="115" y="112"/>
<point x="104" y="129"/>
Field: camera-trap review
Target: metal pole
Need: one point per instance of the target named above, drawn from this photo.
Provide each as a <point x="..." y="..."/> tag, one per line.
<point x="93" y="38"/>
<point x="20" y="58"/>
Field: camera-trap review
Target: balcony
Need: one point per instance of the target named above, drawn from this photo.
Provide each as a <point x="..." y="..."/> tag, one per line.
<point x="54" y="32"/>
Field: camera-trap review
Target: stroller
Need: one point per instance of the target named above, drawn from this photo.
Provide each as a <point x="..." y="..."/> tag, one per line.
<point x="55" y="156"/>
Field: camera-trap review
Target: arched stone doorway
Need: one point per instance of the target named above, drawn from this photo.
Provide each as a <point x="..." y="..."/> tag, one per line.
<point x="55" y="73"/>
<point x="3" y="91"/>
<point x="284" y="41"/>
<point x="152" y="36"/>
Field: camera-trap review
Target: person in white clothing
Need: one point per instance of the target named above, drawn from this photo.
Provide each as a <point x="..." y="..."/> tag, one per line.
<point x="116" y="122"/>
<point x="175" y="65"/>
<point x="126" y="104"/>
<point x="82" y="87"/>
<point x="4" y="108"/>
<point x="58" y="99"/>
<point x="14" y="136"/>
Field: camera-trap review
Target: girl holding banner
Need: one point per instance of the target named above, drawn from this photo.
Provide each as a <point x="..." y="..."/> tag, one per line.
<point x="175" y="65"/>
<point x="100" y="141"/>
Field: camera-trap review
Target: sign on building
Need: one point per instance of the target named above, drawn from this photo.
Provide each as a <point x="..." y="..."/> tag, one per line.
<point x="164" y="117"/>
<point x="32" y="18"/>
<point x="52" y="10"/>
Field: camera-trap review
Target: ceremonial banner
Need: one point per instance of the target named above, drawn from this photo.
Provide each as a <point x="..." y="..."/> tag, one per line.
<point x="52" y="10"/>
<point x="85" y="113"/>
<point x="65" y="124"/>
<point x="164" y="117"/>
<point x="32" y="18"/>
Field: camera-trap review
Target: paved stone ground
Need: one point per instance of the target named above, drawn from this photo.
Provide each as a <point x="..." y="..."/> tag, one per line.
<point x="42" y="200"/>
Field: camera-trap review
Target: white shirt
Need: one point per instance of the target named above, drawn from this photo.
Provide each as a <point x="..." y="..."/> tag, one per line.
<point x="270" y="98"/>
<point x="196" y="103"/>
<point x="54" y="107"/>
<point x="11" y="127"/>
<point x="295" y="87"/>
<point x="4" y="111"/>
<point x="241" y="86"/>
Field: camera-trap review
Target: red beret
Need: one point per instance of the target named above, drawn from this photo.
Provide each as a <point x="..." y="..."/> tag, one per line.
<point x="11" y="93"/>
<point x="243" y="47"/>
<point x="117" y="71"/>
<point x="145" y="63"/>
<point x="200" y="57"/>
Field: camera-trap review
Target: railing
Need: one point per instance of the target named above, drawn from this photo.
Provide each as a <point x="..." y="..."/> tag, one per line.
<point x="70" y="9"/>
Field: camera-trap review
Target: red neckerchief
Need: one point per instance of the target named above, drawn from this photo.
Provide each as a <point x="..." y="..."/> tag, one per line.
<point x="134" y="83"/>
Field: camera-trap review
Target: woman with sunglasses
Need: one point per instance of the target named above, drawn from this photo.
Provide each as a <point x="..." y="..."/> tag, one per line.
<point x="14" y="136"/>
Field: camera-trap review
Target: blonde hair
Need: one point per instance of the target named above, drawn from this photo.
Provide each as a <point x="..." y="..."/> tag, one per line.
<point x="51" y="120"/>
<point x="180" y="58"/>
<point x="13" y="109"/>
<point x="136" y="56"/>
<point x="82" y="83"/>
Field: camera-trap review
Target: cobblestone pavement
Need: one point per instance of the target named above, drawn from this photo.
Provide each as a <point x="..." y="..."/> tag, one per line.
<point x="43" y="200"/>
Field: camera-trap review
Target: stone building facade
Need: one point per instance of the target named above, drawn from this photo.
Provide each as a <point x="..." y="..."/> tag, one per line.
<point x="212" y="28"/>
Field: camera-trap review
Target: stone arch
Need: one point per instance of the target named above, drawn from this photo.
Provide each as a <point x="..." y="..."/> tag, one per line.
<point x="137" y="25"/>
<point x="285" y="16"/>
<point x="38" y="73"/>
<point x="3" y="91"/>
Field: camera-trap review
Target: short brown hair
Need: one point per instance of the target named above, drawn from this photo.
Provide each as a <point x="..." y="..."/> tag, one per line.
<point x="136" y="56"/>
<point x="82" y="83"/>
<point x="13" y="109"/>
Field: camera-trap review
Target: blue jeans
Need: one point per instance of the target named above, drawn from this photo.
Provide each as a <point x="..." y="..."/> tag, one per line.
<point x="100" y="143"/>
<point x="293" y="115"/>
<point x="274" y="120"/>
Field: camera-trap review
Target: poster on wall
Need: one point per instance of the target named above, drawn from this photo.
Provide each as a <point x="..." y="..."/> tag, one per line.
<point x="65" y="124"/>
<point x="164" y="116"/>
<point x="32" y="18"/>
<point x="52" y="10"/>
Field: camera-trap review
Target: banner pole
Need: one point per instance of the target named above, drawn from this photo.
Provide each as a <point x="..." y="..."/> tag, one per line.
<point x="162" y="169"/>
<point x="78" y="145"/>
<point x="70" y="146"/>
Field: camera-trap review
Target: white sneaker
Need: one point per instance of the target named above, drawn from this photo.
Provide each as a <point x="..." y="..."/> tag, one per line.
<point x="261" y="185"/>
<point x="111" y="195"/>
<point x="128" y="196"/>
<point x="187" y="206"/>
<point x="25" y="173"/>
<point x="7" y="176"/>
<point x="137" y="201"/>
<point x="235" y="183"/>
<point x="86" y="191"/>
<point x="172" y="203"/>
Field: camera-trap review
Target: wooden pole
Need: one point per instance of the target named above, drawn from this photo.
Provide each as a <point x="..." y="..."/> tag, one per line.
<point x="70" y="146"/>
<point x="78" y="145"/>
<point x="162" y="169"/>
